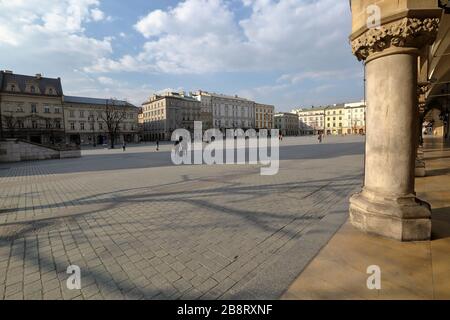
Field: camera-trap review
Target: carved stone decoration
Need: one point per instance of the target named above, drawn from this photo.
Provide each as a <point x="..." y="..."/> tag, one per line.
<point x="407" y="32"/>
<point x="423" y="87"/>
<point x="422" y="90"/>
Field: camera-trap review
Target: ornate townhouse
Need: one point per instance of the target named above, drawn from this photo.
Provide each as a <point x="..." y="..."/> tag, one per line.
<point x="335" y="120"/>
<point x="264" y="116"/>
<point x="35" y="109"/>
<point x="31" y="108"/>
<point x="228" y="112"/>
<point x="311" y="120"/>
<point x="162" y="114"/>
<point x="86" y="123"/>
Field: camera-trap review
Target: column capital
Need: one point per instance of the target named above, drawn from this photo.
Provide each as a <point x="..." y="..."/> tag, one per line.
<point x="403" y="33"/>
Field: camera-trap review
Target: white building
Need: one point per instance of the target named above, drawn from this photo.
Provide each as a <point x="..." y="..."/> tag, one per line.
<point x="355" y="113"/>
<point x="311" y="120"/>
<point x="226" y="112"/>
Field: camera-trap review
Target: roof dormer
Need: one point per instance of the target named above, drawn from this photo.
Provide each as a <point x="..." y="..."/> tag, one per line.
<point x="50" y="90"/>
<point x="12" y="87"/>
<point x="32" y="88"/>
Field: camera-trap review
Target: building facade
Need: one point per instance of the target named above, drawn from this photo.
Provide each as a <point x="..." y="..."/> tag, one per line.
<point x="355" y="113"/>
<point x="141" y="124"/>
<point x="311" y="120"/>
<point x="163" y="114"/>
<point x="229" y="112"/>
<point x="206" y="105"/>
<point x="335" y="120"/>
<point x="31" y="108"/>
<point x="287" y="123"/>
<point x="264" y="116"/>
<point x="87" y="124"/>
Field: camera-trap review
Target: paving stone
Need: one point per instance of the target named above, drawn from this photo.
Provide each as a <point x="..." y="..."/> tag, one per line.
<point x="139" y="227"/>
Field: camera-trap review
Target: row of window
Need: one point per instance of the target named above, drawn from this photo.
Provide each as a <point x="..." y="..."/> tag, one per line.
<point x="261" y="116"/>
<point x="309" y="120"/>
<point x="82" y="126"/>
<point x="31" y="89"/>
<point x="34" y="109"/>
<point x="93" y="114"/>
<point x="260" y="124"/>
<point x="35" y="124"/>
<point x="169" y="103"/>
<point x="234" y="124"/>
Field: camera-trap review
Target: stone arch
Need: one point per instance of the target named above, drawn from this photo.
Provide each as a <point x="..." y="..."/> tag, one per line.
<point x="432" y="122"/>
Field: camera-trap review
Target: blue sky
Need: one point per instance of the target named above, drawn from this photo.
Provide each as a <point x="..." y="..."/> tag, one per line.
<point x="289" y="53"/>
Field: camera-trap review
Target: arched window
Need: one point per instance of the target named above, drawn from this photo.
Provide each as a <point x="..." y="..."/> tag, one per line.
<point x="32" y="89"/>
<point x="13" y="87"/>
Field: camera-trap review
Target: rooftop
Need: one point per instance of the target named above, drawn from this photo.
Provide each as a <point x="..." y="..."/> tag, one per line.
<point x="21" y="81"/>
<point x="220" y="95"/>
<point x="173" y="95"/>
<point x="96" y="101"/>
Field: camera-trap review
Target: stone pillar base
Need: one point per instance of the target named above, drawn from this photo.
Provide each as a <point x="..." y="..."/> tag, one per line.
<point x="404" y="218"/>
<point x="420" y="170"/>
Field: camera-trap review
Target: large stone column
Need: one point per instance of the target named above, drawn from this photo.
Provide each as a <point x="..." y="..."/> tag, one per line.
<point x="387" y="204"/>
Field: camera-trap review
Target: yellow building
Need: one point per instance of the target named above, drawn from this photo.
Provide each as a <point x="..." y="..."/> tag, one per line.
<point x="264" y="116"/>
<point x="311" y="120"/>
<point x="163" y="114"/>
<point x="336" y="122"/>
<point x="31" y="108"/>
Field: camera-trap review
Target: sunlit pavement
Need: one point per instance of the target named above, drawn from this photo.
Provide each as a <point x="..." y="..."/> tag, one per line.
<point x="408" y="270"/>
<point x="141" y="228"/>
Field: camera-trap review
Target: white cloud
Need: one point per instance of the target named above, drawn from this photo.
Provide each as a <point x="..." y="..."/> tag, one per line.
<point x="45" y="26"/>
<point x="106" y="80"/>
<point x="152" y="24"/>
<point x="302" y="40"/>
<point x="203" y="36"/>
<point x="195" y="36"/>
<point x="48" y="36"/>
<point x="97" y="14"/>
<point x="338" y="74"/>
<point x="83" y="84"/>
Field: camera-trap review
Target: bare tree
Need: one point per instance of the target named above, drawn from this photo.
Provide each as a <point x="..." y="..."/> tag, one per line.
<point x="113" y="116"/>
<point x="54" y="127"/>
<point x="11" y="123"/>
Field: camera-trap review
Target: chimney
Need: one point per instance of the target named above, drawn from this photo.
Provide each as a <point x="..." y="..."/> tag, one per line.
<point x="38" y="76"/>
<point x="8" y="72"/>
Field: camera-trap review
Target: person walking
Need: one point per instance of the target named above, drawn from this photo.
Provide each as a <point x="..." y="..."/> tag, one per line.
<point x="124" y="146"/>
<point x="157" y="144"/>
<point x="320" y="138"/>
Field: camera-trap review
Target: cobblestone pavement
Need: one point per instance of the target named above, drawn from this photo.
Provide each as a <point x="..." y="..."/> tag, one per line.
<point x="139" y="227"/>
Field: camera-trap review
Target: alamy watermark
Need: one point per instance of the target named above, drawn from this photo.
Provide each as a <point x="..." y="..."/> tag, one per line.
<point x="236" y="146"/>
<point x="374" y="16"/>
<point x="74" y="280"/>
<point x="374" y="280"/>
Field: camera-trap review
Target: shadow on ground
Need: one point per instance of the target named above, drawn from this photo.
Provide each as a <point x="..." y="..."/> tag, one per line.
<point x="137" y="160"/>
